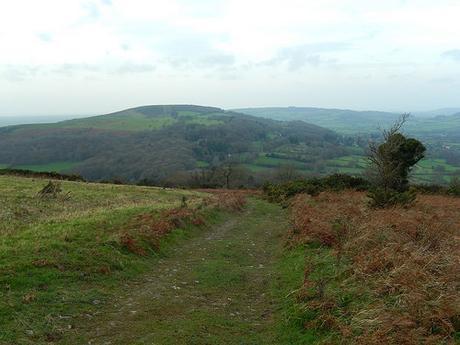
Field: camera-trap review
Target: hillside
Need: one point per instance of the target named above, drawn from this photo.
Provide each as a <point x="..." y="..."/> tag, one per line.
<point x="363" y="122"/>
<point x="441" y="135"/>
<point x="341" y="120"/>
<point x="156" y="142"/>
<point x="102" y="263"/>
<point x="63" y="256"/>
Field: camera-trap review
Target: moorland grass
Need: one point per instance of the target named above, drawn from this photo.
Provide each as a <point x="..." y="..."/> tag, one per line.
<point x="63" y="256"/>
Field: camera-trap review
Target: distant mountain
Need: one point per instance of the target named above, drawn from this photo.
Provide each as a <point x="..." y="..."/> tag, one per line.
<point x="155" y="142"/>
<point x="437" y="112"/>
<point x="438" y="126"/>
<point x="20" y="120"/>
<point x="341" y="120"/>
<point x="353" y="122"/>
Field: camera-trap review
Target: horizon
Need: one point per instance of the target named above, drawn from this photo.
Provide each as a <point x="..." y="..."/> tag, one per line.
<point x="61" y="115"/>
<point x="79" y="56"/>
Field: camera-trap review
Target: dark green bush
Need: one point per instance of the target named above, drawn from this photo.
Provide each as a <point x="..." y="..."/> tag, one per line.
<point x="381" y="198"/>
<point x="41" y="174"/>
<point x="313" y="186"/>
<point x="454" y="186"/>
<point x="430" y="189"/>
<point x="343" y="181"/>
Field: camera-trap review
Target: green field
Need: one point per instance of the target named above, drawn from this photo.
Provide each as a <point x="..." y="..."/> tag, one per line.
<point x="202" y="164"/>
<point x="50" y="167"/>
<point x="258" y="168"/>
<point x="276" y="162"/>
<point x="428" y="170"/>
<point x="131" y="120"/>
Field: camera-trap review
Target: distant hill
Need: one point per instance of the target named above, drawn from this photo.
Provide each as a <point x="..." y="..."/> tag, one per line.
<point x="341" y="120"/>
<point x="155" y="142"/>
<point x="19" y="120"/>
<point x="437" y="112"/>
<point x="353" y="122"/>
<point x="148" y="118"/>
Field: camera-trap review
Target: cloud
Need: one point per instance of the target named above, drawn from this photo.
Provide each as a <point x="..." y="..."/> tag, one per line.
<point x="45" y="36"/>
<point x="452" y="54"/>
<point x="298" y="57"/>
<point x="69" y="70"/>
<point x="19" y="73"/>
<point x="194" y="51"/>
<point x="217" y="59"/>
<point x="92" y="10"/>
<point x="129" y="68"/>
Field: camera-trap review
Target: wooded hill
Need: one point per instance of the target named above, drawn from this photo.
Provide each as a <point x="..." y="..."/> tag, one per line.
<point x="154" y="142"/>
<point x="362" y="122"/>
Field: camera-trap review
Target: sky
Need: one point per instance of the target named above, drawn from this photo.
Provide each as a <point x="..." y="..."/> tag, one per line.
<point x="98" y="56"/>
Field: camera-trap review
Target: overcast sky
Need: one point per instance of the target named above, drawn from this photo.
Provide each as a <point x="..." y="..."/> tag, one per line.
<point x="76" y="57"/>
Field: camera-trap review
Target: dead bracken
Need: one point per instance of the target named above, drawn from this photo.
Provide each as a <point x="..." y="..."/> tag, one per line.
<point x="406" y="260"/>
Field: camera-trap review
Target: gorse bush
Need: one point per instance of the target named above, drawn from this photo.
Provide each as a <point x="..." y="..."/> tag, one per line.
<point x="380" y="197"/>
<point x="313" y="186"/>
<point x="39" y="174"/>
<point x="431" y="189"/>
<point x="454" y="186"/>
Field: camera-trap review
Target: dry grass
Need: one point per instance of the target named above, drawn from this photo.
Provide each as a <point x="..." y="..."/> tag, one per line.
<point x="21" y="207"/>
<point x="408" y="260"/>
<point x="149" y="228"/>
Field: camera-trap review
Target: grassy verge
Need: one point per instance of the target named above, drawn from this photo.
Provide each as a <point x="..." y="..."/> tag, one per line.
<point x="65" y="256"/>
<point x="67" y="268"/>
<point x="212" y="289"/>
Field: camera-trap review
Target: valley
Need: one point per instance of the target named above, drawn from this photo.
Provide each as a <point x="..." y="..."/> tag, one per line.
<point x="230" y="172"/>
<point x="180" y="144"/>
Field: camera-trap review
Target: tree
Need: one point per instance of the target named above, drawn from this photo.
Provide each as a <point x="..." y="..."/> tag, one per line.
<point x="390" y="164"/>
<point x="227" y="170"/>
<point x="286" y="172"/>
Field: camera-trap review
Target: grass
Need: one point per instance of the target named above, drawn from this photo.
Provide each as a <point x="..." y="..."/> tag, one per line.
<point x="428" y="170"/>
<point x="213" y="288"/>
<point x="257" y="168"/>
<point x="54" y="167"/>
<point x="21" y="208"/>
<point x="291" y="317"/>
<point x="202" y="164"/>
<point x="61" y="257"/>
<point x="131" y="120"/>
<point x="191" y="117"/>
<point x="275" y="162"/>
